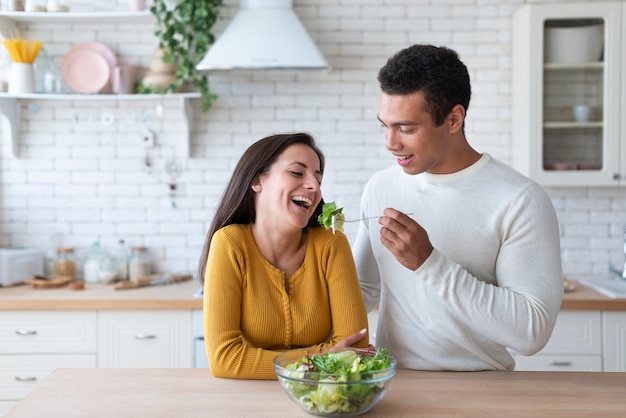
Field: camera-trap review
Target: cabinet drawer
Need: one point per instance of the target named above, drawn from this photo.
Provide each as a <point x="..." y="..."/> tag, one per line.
<point x="559" y="363"/>
<point x="20" y="374"/>
<point x="576" y="332"/>
<point x="139" y="339"/>
<point x="5" y="406"/>
<point x="47" y="332"/>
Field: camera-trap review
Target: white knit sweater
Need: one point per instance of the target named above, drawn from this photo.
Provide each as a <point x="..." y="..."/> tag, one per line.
<point x="493" y="281"/>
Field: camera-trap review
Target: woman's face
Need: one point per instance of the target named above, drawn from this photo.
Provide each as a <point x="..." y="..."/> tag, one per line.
<point x="290" y="190"/>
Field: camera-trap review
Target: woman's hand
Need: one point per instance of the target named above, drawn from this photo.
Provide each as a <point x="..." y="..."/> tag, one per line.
<point x="352" y="339"/>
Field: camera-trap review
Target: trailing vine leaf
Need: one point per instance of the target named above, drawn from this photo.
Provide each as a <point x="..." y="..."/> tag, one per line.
<point x="184" y="31"/>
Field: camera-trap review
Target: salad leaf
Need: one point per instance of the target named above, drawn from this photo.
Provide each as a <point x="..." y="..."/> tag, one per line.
<point x="331" y="217"/>
<point x="338" y="374"/>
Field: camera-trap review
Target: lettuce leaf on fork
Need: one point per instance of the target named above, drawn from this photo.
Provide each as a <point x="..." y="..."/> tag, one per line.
<point x="331" y="217"/>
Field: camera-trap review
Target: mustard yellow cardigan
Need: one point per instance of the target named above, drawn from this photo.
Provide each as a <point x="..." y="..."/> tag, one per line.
<point x="249" y="317"/>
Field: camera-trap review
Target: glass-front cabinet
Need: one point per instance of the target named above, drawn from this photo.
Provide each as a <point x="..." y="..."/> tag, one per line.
<point x="568" y="71"/>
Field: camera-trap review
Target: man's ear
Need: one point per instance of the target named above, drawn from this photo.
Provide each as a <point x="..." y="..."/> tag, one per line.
<point x="457" y="117"/>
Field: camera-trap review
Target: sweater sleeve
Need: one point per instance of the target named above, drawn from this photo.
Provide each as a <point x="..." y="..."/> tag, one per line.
<point x="228" y="353"/>
<point x="366" y="264"/>
<point x="520" y="311"/>
<point x="346" y="302"/>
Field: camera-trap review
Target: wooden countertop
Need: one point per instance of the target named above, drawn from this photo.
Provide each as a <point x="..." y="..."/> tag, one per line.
<point x="586" y="299"/>
<point x="180" y="296"/>
<point x="101" y="297"/>
<point x="133" y="393"/>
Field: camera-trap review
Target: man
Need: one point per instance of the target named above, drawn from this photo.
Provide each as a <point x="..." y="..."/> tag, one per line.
<point x="465" y="262"/>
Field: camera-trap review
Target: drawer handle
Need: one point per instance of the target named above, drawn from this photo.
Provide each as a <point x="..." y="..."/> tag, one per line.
<point x="145" y="337"/>
<point x="25" y="378"/>
<point x="560" y="363"/>
<point x="25" y="332"/>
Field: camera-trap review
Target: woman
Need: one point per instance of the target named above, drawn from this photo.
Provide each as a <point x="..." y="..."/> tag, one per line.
<point x="274" y="280"/>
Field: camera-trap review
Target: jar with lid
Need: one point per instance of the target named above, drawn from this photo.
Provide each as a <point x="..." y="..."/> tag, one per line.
<point x="92" y="263"/>
<point x="107" y="273"/>
<point x="139" y="263"/>
<point x="65" y="264"/>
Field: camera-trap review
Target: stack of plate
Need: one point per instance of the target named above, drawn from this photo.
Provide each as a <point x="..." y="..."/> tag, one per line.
<point x="88" y="67"/>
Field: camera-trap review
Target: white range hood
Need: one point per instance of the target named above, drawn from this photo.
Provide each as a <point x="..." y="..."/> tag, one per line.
<point x="264" y="34"/>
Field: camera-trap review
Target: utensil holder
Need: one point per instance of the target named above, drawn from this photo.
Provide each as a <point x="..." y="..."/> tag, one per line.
<point x="22" y="78"/>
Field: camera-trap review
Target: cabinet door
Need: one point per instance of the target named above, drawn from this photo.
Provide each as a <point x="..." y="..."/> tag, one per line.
<point x="556" y="67"/>
<point x="19" y="374"/>
<point x="614" y="331"/>
<point x="140" y="339"/>
<point x="575" y="345"/>
<point x="47" y="332"/>
<point x="576" y="332"/>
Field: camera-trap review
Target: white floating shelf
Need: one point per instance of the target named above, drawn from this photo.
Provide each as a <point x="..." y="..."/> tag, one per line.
<point x="78" y="17"/>
<point x="10" y="108"/>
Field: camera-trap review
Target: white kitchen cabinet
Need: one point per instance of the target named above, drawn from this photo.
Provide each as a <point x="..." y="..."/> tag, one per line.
<point x="139" y="339"/>
<point x="575" y="345"/>
<point x="548" y="144"/>
<point x="11" y="104"/>
<point x="614" y="341"/>
<point x="33" y="344"/>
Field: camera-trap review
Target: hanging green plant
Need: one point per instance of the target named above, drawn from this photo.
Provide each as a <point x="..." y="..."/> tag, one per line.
<point x="184" y="31"/>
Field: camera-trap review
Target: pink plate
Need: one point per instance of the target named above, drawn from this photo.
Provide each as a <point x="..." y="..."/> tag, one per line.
<point x="100" y="48"/>
<point x="85" y="71"/>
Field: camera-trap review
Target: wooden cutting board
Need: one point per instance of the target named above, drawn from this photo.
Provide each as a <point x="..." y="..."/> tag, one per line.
<point x="148" y="281"/>
<point x="50" y="283"/>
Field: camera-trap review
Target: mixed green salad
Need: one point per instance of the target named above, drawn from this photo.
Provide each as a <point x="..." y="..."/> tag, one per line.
<point x="331" y="217"/>
<point x="332" y="369"/>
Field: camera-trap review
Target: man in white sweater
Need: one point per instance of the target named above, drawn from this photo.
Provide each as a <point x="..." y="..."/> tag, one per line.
<point x="465" y="262"/>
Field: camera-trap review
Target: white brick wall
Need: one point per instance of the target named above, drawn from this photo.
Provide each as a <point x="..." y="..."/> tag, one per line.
<point x="89" y="182"/>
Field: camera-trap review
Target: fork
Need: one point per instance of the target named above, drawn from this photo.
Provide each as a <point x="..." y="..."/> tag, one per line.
<point x="369" y="217"/>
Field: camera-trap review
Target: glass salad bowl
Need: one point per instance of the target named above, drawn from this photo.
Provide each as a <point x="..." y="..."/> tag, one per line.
<point x="340" y="382"/>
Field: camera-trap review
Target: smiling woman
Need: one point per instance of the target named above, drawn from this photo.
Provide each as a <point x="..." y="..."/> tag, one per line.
<point x="274" y="280"/>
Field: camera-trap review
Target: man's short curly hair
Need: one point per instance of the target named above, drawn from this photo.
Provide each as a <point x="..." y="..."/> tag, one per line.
<point x="436" y="72"/>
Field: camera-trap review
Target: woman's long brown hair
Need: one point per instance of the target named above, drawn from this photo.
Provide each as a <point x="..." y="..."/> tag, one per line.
<point x="237" y="203"/>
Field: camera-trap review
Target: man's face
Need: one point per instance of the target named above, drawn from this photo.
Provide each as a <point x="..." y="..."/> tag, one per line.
<point x="411" y="135"/>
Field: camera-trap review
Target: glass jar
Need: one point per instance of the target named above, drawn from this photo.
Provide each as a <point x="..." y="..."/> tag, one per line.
<point x="57" y="6"/>
<point x="121" y="256"/>
<point x="139" y="263"/>
<point x="34" y="5"/>
<point x="65" y="264"/>
<point x="92" y="263"/>
<point x="108" y="269"/>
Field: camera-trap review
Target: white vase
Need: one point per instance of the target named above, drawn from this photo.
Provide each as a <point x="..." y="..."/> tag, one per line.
<point x="22" y="78"/>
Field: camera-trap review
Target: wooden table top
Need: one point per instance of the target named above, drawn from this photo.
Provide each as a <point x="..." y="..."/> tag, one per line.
<point x="177" y="393"/>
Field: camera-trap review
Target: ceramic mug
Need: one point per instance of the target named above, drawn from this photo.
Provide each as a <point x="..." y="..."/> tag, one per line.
<point x="124" y="78"/>
<point x="136" y="5"/>
<point x="582" y="113"/>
